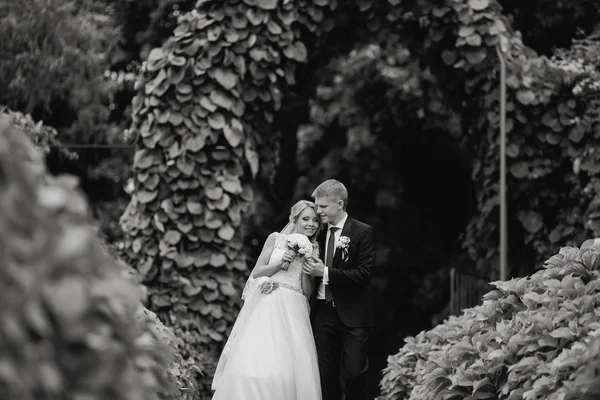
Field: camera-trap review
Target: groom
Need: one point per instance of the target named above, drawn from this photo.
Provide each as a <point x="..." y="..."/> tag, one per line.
<point x="342" y="312"/>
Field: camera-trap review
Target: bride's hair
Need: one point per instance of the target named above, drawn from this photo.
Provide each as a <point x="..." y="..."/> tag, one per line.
<point x="301" y="206"/>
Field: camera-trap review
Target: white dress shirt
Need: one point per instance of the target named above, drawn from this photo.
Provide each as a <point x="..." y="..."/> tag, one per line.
<point x="337" y="234"/>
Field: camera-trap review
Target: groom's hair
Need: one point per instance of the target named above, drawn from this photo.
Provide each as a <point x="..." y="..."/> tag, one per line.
<point x="332" y="188"/>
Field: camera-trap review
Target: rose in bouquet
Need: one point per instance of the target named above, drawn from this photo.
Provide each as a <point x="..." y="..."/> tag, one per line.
<point x="299" y="244"/>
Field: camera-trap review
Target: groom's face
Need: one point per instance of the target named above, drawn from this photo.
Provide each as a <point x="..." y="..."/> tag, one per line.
<point x="329" y="208"/>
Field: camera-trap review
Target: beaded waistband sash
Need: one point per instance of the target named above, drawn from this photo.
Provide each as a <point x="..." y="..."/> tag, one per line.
<point x="269" y="286"/>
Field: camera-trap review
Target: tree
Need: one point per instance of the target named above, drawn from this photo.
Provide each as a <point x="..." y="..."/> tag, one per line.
<point x="53" y="65"/>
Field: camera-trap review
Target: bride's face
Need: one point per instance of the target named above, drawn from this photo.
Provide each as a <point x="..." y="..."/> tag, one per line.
<point x="308" y="222"/>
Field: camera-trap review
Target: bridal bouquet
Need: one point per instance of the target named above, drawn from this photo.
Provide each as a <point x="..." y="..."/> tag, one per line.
<point x="299" y="244"/>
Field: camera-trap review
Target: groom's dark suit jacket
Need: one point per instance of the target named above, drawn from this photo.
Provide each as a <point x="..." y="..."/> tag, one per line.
<point x="349" y="279"/>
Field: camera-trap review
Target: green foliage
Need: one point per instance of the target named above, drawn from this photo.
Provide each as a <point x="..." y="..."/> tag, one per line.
<point x="203" y="126"/>
<point x="51" y="58"/>
<point x="366" y="129"/>
<point x="69" y="326"/>
<point x="529" y="339"/>
<point x="202" y="121"/>
<point x="42" y="136"/>
<point x="180" y="370"/>
<point x="451" y="63"/>
<point x="145" y="24"/>
<point x="589" y="377"/>
<point x="549" y="128"/>
<point x="549" y="24"/>
<point x="53" y="63"/>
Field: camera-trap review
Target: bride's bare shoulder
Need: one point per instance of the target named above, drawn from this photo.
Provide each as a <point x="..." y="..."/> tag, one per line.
<point x="275" y="238"/>
<point x="272" y="237"/>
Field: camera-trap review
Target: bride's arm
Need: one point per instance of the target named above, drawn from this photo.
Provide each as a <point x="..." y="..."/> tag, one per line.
<point x="307" y="285"/>
<point x="263" y="267"/>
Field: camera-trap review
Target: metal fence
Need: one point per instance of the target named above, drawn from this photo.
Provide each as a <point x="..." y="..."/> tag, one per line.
<point x="466" y="290"/>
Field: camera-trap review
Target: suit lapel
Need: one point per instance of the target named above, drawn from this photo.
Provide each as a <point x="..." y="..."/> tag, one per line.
<point x="345" y="232"/>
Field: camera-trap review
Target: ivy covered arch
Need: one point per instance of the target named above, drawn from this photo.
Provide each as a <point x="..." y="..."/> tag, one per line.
<point x="203" y="122"/>
<point x="202" y="118"/>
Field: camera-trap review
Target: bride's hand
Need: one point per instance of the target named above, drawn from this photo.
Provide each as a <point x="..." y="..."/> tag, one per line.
<point x="289" y="256"/>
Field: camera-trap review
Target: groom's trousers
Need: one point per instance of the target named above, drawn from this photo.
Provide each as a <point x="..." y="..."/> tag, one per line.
<point x="340" y="349"/>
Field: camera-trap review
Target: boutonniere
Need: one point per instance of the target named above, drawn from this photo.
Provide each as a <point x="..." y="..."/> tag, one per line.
<point x="343" y="243"/>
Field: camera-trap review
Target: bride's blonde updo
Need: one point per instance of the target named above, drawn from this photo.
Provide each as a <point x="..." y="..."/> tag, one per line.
<point x="300" y="206"/>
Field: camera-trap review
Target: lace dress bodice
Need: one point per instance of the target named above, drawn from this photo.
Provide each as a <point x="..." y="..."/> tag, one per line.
<point x="292" y="278"/>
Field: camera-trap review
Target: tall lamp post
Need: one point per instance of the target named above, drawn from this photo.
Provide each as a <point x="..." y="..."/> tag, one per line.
<point x="503" y="234"/>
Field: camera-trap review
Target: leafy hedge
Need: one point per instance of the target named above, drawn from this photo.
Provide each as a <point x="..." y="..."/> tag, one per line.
<point x="202" y="118"/>
<point x="181" y="370"/>
<point x="530" y="339"/>
<point x="68" y="326"/>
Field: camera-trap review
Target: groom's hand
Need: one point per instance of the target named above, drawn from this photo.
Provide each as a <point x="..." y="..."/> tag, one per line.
<point x="307" y="266"/>
<point x="313" y="267"/>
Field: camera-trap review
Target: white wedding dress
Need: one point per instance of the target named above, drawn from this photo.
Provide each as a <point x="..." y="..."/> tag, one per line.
<point x="271" y="353"/>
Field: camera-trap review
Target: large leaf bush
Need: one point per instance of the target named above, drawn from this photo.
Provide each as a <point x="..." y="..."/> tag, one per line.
<point x="532" y="338"/>
<point x="72" y="325"/>
<point x="202" y="121"/>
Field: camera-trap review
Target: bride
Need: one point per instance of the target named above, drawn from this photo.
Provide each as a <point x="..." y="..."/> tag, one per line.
<point x="271" y="353"/>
